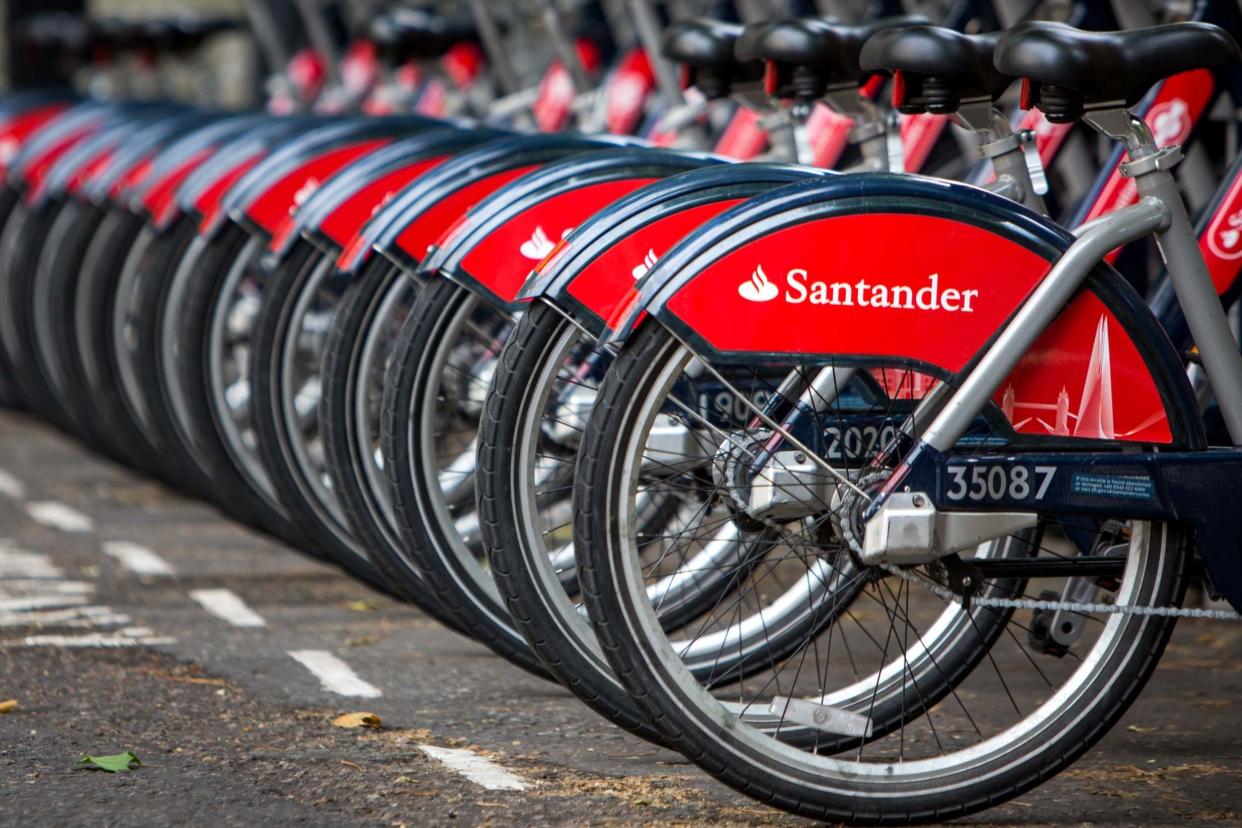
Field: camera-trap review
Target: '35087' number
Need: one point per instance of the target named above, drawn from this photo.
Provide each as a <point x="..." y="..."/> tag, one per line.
<point x="979" y="482"/>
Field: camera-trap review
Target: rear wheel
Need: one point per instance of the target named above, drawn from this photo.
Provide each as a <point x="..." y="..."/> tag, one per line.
<point x="299" y="300"/>
<point x="919" y="709"/>
<point x="433" y="399"/>
<point x="194" y="382"/>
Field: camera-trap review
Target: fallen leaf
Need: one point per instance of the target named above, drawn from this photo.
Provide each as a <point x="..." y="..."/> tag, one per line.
<point x="362" y="606"/>
<point x="8" y="706"/>
<point x="116" y="763"/>
<point x="361" y="719"/>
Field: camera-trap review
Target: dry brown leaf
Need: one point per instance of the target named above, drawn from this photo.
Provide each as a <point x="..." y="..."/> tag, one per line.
<point x="360" y="719"/>
<point x="8" y="706"/>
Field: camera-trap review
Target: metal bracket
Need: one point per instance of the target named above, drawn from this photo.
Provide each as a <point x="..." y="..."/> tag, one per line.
<point x="1162" y="159"/>
<point x="1006" y="143"/>
<point x="909" y="530"/>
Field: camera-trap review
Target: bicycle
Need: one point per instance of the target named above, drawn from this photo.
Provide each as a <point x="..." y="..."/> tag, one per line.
<point x="947" y="403"/>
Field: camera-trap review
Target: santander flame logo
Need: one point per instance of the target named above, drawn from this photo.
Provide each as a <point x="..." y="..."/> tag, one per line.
<point x="1224" y="236"/>
<point x="648" y="262"/>
<point x="758" y="288"/>
<point x="8" y="150"/>
<point x="538" y="246"/>
<point x="305" y="192"/>
<point x="1170" y="122"/>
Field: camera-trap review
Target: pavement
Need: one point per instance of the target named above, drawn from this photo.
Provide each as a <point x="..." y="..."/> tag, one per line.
<point x="133" y="619"/>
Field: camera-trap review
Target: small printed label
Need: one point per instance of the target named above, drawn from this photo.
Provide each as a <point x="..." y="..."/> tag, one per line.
<point x="1126" y="486"/>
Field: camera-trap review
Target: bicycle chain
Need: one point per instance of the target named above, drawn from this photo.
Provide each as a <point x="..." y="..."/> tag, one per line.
<point x="944" y="592"/>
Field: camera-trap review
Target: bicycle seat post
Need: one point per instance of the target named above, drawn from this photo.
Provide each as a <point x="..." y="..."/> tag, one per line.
<point x="813" y="59"/>
<point x="1006" y="150"/>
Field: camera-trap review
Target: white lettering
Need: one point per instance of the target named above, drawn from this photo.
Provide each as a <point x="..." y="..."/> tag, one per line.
<point x="801" y="289"/>
<point x="792" y="278"/>
<point x="930" y="302"/>
<point x="861" y="286"/>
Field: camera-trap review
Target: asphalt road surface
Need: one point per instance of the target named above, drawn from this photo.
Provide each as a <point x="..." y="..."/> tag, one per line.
<point x="134" y="619"/>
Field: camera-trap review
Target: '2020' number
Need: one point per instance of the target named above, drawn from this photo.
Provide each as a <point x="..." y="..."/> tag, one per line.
<point x="978" y="482"/>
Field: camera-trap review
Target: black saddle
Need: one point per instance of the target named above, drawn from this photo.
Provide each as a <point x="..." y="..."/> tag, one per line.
<point x="938" y="67"/>
<point x="1070" y="69"/>
<point x="811" y="55"/>
<point x="408" y="33"/>
<point x="705" y="50"/>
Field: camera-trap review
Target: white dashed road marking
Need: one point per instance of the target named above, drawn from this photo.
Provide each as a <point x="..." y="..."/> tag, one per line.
<point x="10" y="486"/>
<point x="129" y="637"/>
<point x="37" y="586"/>
<point x="478" y="769"/>
<point x="136" y="558"/>
<point x="57" y="515"/>
<point x="94" y="616"/>
<point x="224" y="603"/>
<point x="334" y="674"/>
<point x="34" y="595"/>
<point x="36" y="602"/>
<point x="20" y="563"/>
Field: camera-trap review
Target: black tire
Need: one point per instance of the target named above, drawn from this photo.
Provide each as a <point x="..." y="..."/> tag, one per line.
<point x="103" y="405"/>
<point x="56" y="284"/>
<point x="535" y="342"/>
<point x="302" y="271"/>
<point x="803" y="783"/>
<point x="378" y="288"/>
<point x="427" y="542"/>
<point x="20" y="246"/>
<point x="10" y="395"/>
<point x="141" y="372"/>
<point x="184" y="350"/>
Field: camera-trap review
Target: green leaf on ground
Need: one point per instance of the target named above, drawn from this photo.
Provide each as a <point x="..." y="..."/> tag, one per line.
<point x="116" y="763"/>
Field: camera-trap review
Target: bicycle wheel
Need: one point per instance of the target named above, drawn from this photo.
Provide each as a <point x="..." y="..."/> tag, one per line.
<point x="139" y="315"/>
<point x="56" y="278"/>
<point x="94" y="304"/>
<point x="932" y="709"/>
<point x="193" y="328"/>
<point x="697" y="552"/>
<point x="359" y="350"/>
<point x="20" y="245"/>
<point x="433" y="397"/>
<point x="299" y="300"/>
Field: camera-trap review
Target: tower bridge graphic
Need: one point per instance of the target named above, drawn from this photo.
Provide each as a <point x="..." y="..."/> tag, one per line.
<point x="1093" y="419"/>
